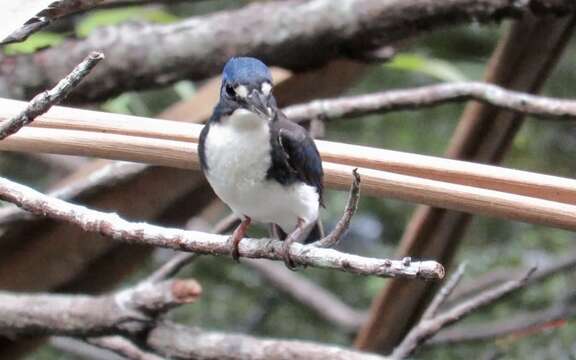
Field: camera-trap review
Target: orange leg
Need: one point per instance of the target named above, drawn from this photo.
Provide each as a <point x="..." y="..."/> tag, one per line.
<point x="238" y="235"/>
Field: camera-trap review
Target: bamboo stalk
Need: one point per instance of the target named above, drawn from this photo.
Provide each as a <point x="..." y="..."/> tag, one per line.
<point x="453" y="171"/>
<point x="375" y="182"/>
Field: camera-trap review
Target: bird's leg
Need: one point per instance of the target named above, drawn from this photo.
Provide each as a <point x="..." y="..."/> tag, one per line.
<point x="295" y="235"/>
<point x="238" y="235"/>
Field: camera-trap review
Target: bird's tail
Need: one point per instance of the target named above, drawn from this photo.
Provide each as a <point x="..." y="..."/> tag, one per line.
<point x="315" y="233"/>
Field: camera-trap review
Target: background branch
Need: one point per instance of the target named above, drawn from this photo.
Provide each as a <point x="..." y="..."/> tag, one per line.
<point x="315" y="32"/>
<point x="514" y="326"/>
<point x="430" y="325"/>
<point x="43" y="101"/>
<point x="125" y="312"/>
<point x="433" y="95"/>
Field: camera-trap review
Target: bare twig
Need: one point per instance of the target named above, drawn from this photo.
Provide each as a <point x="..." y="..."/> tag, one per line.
<point x="126" y="312"/>
<point x="81" y="349"/>
<point x="556" y="266"/>
<point x="444" y="292"/>
<point x="112" y="225"/>
<point x="172" y="267"/>
<point x="43" y="101"/>
<point x="179" y="342"/>
<point x="351" y="206"/>
<point x="325" y="304"/>
<point x="180" y="260"/>
<point x="123" y="347"/>
<point x="103" y="178"/>
<point x="432" y="95"/>
<point x="515" y="326"/>
<point x="428" y="327"/>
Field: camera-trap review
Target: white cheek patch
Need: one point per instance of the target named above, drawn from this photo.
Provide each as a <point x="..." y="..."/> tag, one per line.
<point x="241" y="91"/>
<point x="266" y="88"/>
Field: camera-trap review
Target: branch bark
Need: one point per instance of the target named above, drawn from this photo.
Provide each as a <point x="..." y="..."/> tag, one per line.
<point x="126" y="312"/>
<point x="45" y="100"/>
<point x="179" y="342"/>
<point x="112" y="225"/>
<point x="515" y="326"/>
<point x="295" y="34"/>
<point x="432" y="324"/>
<point x="432" y="95"/>
<point x="131" y="313"/>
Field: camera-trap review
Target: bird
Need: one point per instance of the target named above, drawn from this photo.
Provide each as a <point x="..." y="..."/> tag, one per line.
<point x="265" y="167"/>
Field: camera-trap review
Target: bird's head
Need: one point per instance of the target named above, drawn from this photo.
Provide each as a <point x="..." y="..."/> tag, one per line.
<point x="247" y="84"/>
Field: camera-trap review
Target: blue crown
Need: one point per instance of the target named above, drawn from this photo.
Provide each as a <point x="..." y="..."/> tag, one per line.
<point x="245" y="70"/>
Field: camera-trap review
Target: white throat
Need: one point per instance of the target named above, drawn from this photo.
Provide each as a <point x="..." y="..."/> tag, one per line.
<point x="242" y="119"/>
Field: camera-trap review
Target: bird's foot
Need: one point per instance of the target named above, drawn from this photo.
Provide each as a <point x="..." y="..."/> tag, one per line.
<point x="237" y="236"/>
<point x="290" y="239"/>
<point x="290" y="264"/>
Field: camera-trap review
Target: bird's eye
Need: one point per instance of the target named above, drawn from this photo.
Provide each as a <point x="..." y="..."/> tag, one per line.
<point x="230" y="90"/>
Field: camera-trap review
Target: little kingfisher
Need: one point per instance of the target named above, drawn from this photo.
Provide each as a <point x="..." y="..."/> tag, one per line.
<point x="263" y="166"/>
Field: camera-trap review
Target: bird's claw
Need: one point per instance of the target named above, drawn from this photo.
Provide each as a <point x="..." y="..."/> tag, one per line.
<point x="233" y="246"/>
<point x="288" y="261"/>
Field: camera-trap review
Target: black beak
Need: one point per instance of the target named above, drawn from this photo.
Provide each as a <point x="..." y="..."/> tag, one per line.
<point x="258" y="103"/>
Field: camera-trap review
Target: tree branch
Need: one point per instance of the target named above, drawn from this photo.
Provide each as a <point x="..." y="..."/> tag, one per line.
<point x="126" y="312"/>
<point x="325" y="304"/>
<point x="514" y="326"/>
<point x="556" y="266"/>
<point x="44" y="101"/>
<point x="429" y="326"/>
<point x="58" y="9"/>
<point x="351" y="206"/>
<point x="295" y="35"/>
<point x="107" y="176"/>
<point x="432" y="95"/>
<point x="179" y="342"/>
<point x="123" y="347"/>
<point x="112" y="225"/>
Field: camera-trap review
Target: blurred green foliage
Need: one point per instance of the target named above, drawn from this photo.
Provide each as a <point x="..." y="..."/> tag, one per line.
<point x="35" y="42"/>
<point x="236" y="299"/>
<point x="100" y="18"/>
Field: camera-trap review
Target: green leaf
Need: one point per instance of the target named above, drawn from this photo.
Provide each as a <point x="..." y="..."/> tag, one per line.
<point x="436" y="68"/>
<point x="101" y="18"/>
<point x="34" y="42"/>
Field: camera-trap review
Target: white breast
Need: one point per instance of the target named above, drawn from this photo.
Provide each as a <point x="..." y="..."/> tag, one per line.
<point x="238" y="158"/>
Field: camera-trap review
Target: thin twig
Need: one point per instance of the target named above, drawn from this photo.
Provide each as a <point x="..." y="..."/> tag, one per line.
<point x="107" y="176"/>
<point x="516" y="326"/>
<point x="43" y="101"/>
<point x="81" y="349"/>
<point x="351" y="206"/>
<point x="180" y="260"/>
<point x="428" y="327"/>
<point x="321" y="301"/>
<point x="57" y="9"/>
<point x="432" y="95"/>
<point x="123" y="347"/>
<point x="556" y="266"/>
<point x="112" y="225"/>
<point x="444" y="292"/>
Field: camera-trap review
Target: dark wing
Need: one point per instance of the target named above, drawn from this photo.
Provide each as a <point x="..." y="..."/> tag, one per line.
<point x="201" y="147"/>
<point x="295" y="155"/>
